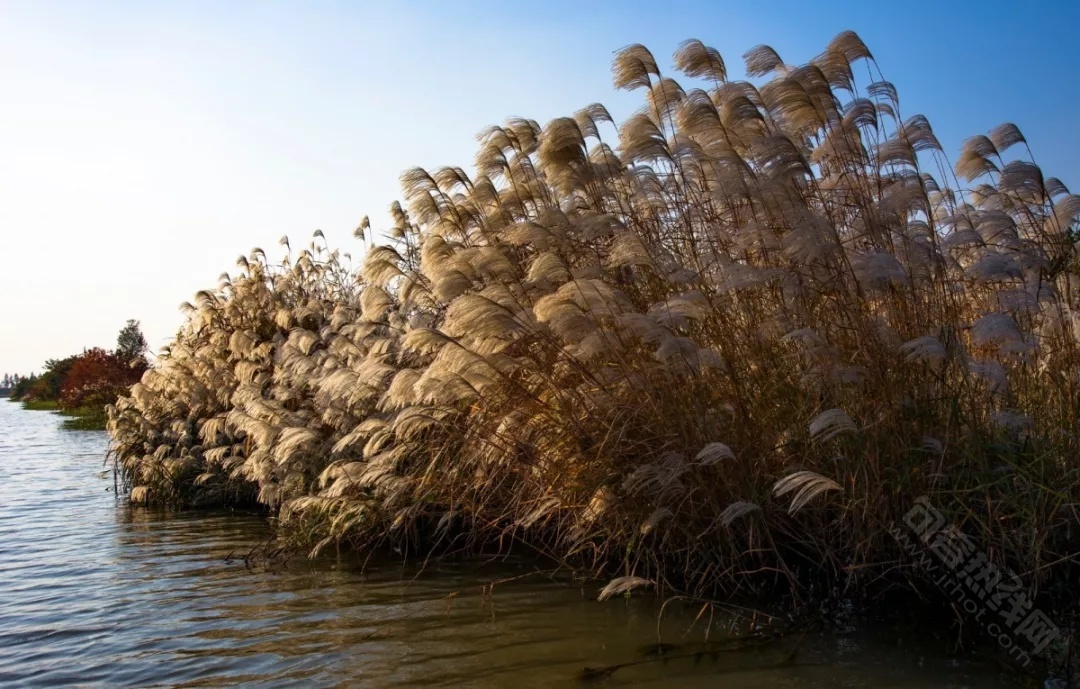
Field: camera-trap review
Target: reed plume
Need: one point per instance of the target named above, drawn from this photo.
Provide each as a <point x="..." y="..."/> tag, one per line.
<point x="728" y="340"/>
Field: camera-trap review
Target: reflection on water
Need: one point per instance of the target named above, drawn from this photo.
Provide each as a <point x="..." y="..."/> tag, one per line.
<point x="94" y="593"/>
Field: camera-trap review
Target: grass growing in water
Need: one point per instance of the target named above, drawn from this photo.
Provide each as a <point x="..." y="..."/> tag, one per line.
<point x="41" y="405"/>
<point x="723" y="346"/>
<point x="85" y="419"/>
<point x="81" y="419"/>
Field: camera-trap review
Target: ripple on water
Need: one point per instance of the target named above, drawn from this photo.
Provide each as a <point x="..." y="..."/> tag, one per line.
<point x="93" y="593"/>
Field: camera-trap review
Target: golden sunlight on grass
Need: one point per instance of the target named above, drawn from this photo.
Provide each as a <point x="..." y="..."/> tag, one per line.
<point x="740" y="333"/>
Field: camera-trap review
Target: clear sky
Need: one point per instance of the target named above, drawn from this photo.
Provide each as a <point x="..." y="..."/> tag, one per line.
<point x="145" y="145"/>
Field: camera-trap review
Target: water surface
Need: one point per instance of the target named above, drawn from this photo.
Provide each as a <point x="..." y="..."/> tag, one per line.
<point x="95" y="593"/>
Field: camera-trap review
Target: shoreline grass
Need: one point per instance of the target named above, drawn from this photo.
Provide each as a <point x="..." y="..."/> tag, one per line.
<point x="721" y="348"/>
<point x="85" y="419"/>
<point x="80" y="419"/>
<point x="39" y="405"/>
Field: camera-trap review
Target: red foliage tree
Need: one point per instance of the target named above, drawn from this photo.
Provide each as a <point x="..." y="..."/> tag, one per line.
<point x="97" y="378"/>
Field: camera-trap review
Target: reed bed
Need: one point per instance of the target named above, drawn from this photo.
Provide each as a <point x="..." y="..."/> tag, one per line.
<point x="721" y="346"/>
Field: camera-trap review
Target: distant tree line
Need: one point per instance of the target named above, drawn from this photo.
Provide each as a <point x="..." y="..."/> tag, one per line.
<point x="89" y="380"/>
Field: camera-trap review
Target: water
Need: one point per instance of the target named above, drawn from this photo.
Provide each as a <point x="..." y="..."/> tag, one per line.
<point x="95" y="593"/>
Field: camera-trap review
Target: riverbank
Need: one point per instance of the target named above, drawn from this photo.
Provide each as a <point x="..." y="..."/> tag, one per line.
<point x="761" y="349"/>
<point x="79" y="419"/>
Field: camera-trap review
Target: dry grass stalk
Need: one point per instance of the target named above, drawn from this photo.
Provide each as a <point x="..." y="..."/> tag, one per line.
<point x="614" y="343"/>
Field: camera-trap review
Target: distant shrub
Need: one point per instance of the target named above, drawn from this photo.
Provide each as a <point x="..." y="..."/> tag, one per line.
<point x="84" y="384"/>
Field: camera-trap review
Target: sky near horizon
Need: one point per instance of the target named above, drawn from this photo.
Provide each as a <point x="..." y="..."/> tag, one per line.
<point x="145" y="146"/>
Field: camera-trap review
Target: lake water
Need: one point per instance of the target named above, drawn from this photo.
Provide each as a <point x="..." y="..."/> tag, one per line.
<point x="96" y="593"/>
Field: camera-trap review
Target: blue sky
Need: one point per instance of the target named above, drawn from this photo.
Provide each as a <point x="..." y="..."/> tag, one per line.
<point x="144" y="146"/>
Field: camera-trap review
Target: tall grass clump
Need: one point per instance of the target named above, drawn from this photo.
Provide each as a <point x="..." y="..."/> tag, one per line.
<point x="200" y="426"/>
<point x="725" y="343"/>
